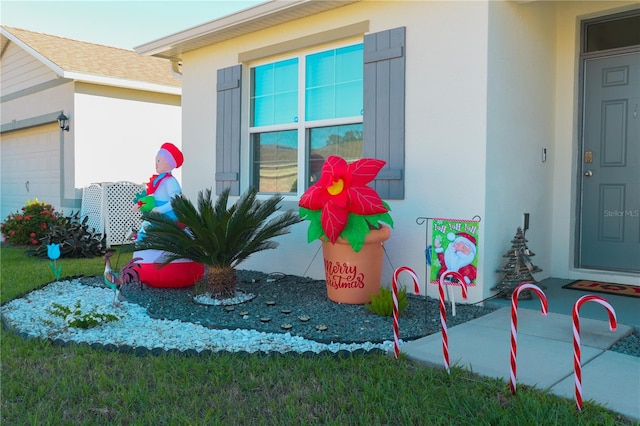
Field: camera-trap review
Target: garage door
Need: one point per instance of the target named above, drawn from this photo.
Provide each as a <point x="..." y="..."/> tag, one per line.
<point x="30" y="167"/>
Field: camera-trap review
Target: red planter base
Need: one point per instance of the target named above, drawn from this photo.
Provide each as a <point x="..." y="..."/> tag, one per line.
<point x="177" y="274"/>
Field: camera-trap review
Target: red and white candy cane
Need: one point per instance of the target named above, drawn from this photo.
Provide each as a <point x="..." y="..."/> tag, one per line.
<point x="443" y="312"/>
<point x="577" y="368"/>
<point x="394" y="284"/>
<point x="514" y="324"/>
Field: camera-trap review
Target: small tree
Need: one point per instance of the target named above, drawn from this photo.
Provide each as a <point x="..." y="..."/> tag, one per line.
<point x="217" y="236"/>
<point x="518" y="269"/>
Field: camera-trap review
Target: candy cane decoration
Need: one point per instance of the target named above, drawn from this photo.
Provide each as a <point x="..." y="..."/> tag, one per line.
<point x="514" y="324"/>
<point x="394" y="284"/>
<point x="577" y="368"/>
<point x="443" y="313"/>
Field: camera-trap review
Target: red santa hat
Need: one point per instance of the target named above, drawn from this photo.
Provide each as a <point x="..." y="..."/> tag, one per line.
<point x="172" y="154"/>
<point x="470" y="238"/>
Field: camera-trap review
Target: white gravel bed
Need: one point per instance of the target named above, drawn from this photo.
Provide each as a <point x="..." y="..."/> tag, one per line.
<point x="31" y="316"/>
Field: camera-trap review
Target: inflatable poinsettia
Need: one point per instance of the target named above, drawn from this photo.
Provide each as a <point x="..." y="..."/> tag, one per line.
<point x="340" y="204"/>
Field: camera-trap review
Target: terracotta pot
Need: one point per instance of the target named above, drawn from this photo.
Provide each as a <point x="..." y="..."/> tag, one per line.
<point x="353" y="277"/>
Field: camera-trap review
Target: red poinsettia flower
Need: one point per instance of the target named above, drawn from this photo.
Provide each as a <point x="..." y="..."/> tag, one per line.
<point x="342" y="192"/>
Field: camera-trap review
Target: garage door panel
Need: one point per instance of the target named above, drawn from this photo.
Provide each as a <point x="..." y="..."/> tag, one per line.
<point x="30" y="167"/>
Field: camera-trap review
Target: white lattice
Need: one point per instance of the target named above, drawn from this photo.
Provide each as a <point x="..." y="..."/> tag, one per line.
<point x="108" y="206"/>
<point x="92" y="207"/>
<point x="120" y="217"/>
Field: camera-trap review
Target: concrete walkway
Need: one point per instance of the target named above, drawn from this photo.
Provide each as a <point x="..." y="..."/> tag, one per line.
<point x="544" y="355"/>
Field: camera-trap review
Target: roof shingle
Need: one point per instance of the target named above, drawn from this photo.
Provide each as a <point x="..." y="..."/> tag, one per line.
<point x="95" y="59"/>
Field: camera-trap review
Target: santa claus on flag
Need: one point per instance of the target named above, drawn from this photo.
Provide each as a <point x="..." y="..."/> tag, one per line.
<point x="458" y="256"/>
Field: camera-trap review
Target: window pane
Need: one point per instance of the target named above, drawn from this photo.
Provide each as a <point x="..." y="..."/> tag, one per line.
<point x="320" y="69"/>
<point x="320" y="103"/>
<point x="349" y="64"/>
<point x="285" y="108"/>
<point x="262" y="80"/>
<point x="343" y="141"/>
<point x="612" y="34"/>
<point x="349" y="99"/>
<point x="275" y="161"/>
<point x="334" y="83"/>
<point x="274" y="93"/>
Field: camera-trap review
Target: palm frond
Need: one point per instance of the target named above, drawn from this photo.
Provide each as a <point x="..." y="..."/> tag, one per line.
<point x="216" y="234"/>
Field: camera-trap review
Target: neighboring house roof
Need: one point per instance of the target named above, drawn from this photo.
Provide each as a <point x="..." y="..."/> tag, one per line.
<point x="246" y="21"/>
<point x="95" y="63"/>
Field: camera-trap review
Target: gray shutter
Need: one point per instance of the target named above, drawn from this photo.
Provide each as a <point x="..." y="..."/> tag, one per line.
<point x="384" y="94"/>
<point x="228" y="129"/>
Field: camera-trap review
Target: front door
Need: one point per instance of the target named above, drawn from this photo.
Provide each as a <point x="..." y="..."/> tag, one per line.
<point x="610" y="164"/>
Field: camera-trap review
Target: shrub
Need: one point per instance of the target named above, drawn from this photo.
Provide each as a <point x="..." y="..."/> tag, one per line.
<point x="75" y="317"/>
<point x="220" y="236"/>
<point x="75" y="237"/>
<point x="30" y="226"/>
<point x="382" y="303"/>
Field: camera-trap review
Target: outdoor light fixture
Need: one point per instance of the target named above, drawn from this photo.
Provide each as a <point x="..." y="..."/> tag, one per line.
<point x="63" y="122"/>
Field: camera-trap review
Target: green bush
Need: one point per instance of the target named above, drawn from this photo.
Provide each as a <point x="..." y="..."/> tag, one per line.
<point x="75" y="317"/>
<point x="75" y="237"/>
<point x="382" y="303"/>
<point x="28" y="227"/>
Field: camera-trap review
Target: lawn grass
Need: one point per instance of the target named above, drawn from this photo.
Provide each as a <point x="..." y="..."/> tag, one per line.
<point x="45" y="384"/>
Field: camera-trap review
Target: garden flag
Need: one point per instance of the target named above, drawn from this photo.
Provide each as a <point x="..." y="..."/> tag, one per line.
<point x="454" y="247"/>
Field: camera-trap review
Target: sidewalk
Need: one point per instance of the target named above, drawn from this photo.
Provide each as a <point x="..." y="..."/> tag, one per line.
<point x="544" y="355"/>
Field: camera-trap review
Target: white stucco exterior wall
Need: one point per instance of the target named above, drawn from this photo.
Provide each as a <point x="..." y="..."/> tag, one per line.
<point x="114" y="134"/>
<point x="489" y="86"/>
<point x="521" y="119"/>
<point x="445" y="123"/>
<point x="118" y="134"/>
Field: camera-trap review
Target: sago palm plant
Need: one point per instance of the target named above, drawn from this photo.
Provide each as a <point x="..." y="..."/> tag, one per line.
<point x="217" y="236"/>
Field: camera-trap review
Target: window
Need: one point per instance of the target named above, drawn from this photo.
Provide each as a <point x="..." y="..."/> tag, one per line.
<point x="616" y="31"/>
<point x="347" y="101"/>
<point x="307" y="107"/>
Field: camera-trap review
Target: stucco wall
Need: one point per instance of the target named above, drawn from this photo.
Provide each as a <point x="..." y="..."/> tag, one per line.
<point x="489" y="86"/>
<point x="118" y="133"/>
<point x="445" y="122"/>
<point x="520" y="125"/>
<point x="113" y="134"/>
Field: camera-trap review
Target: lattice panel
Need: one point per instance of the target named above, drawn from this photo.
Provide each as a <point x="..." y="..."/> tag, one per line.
<point x="92" y="207"/>
<point x="120" y="219"/>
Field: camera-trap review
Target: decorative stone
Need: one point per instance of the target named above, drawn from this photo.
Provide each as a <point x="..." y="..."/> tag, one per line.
<point x="321" y="327"/>
<point x="270" y="303"/>
<point x="264" y="319"/>
<point x="206" y="299"/>
<point x="286" y="311"/>
<point x="304" y="318"/>
<point x="286" y="326"/>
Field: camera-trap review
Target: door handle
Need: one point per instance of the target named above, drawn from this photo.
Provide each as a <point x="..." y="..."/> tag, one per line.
<point x="588" y="173"/>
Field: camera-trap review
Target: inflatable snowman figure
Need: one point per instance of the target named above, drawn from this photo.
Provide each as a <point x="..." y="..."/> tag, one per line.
<point x="162" y="187"/>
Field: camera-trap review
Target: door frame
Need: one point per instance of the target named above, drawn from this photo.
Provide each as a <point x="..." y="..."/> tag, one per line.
<point x="582" y="58"/>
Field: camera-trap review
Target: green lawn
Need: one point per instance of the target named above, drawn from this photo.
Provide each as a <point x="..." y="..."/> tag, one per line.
<point x="44" y="384"/>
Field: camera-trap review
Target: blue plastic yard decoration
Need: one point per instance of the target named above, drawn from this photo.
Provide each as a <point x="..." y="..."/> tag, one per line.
<point x="53" y="251"/>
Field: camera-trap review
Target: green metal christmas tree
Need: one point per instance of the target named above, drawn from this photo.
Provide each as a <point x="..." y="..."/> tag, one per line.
<point x="518" y="269"/>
